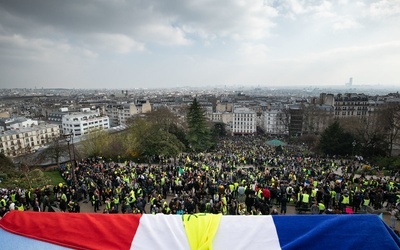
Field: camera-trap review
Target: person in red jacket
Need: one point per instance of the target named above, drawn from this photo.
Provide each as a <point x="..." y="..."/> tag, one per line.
<point x="266" y="194"/>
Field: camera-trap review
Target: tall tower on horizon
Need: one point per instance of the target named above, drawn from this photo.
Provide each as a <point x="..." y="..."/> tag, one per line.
<point x="350" y="82"/>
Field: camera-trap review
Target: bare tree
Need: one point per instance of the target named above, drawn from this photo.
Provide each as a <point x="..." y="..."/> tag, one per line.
<point x="389" y="121"/>
<point x="316" y="118"/>
<point x="55" y="151"/>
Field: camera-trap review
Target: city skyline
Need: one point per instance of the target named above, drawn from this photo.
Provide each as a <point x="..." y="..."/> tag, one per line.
<point x="155" y="44"/>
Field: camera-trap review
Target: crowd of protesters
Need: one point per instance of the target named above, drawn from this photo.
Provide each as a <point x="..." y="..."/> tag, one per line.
<point x="242" y="176"/>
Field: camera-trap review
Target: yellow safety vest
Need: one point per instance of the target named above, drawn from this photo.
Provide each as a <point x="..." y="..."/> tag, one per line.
<point x="313" y="193"/>
<point x="116" y="200"/>
<point x="306" y="198"/>
<point x="346" y="200"/>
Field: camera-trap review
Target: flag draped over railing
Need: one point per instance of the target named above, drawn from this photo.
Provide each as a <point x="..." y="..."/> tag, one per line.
<point x="33" y="230"/>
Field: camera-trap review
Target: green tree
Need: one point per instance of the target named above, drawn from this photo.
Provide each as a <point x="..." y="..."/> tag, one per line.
<point x="7" y="166"/>
<point x="336" y="141"/>
<point x="147" y="139"/>
<point x="388" y="163"/>
<point x="199" y="134"/>
<point x="96" y="143"/>
<point x="219" y="129"/>
<point x="168" y="122"/>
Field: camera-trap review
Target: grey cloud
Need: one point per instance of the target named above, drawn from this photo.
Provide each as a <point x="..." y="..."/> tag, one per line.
<point x="78" y="16"/>
<point x="134" y="18"/>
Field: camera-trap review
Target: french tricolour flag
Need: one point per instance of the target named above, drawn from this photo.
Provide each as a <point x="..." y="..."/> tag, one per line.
<point x="33" y="230"/>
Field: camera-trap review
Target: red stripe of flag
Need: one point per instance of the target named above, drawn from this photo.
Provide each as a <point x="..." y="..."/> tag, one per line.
<point x="72" y="230"/>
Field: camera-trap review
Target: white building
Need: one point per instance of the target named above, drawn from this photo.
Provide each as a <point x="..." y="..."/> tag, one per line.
<point x="119" y="113"/>
<point x="275" y="121"/>
<point x="17" y="123"/>
<point x="79" y="124"/>
<point x="26" y="140"/>
<point x="244" y="121"/>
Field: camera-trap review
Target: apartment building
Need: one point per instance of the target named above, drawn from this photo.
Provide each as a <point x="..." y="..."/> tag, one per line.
<point x="224" y="107"/>
<point x="16" y="123"/>
<point x="120" y="113"/>
<point x="26" y="140"/>
<point x="296" y="114"/>
<point x="215" y="117"/>
<point x="244" y="122"/>
<point x="81" y="123"/>
<point x="347" y="105"/>
<point x="147" y="107"/>
<point x="275" y="121"/>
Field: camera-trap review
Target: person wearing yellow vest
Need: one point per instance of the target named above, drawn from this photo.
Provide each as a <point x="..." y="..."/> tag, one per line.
<point x="152" y="200"/>
<point x="139" y="192"/>
<point x="126" y="207"/>
<point x="224" y="205"/>
<point x="63" y="202"/>
<point x="313" y="193"/>
<point x="235" y="193"/>
<point x="299" y="194"/>
<point x="365" y="203"/>
<point x="118" y="191"/>
<point x="71" y="206"/>
<point x="305" y="199"/>
<point x="20" y="207"/>
<point x="3" y="202"/>
<point x="333" y="196"/>
<point x="259" y="193"/>
<point x="344" y="200"/>
<point x="321" y="207"/>
<point x="108" y="205"/>
<point x="132" y="199"/>
<point x="115" y="202"/>
<point x="166" y="209"/>
<point x="13" y="197"/>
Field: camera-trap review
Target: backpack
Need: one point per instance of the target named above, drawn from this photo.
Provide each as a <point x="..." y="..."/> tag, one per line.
<point x="289" y="191"/>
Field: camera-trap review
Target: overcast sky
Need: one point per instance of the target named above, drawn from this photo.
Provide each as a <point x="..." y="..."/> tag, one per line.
<point x="170" y="43"/>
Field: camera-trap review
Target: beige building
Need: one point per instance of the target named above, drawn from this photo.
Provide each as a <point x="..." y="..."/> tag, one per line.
<point x="347" y="105"/>
<point x="147" y="107"/>
<point x="4" y="114"/>
<point x="224" y="107"/>
<point x="26" y="140"/>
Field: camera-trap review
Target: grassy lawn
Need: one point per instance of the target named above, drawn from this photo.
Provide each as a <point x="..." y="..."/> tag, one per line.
<point x="54" y="176"/>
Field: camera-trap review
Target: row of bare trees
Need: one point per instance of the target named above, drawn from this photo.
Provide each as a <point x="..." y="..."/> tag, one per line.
<point x="377" y="133"/>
